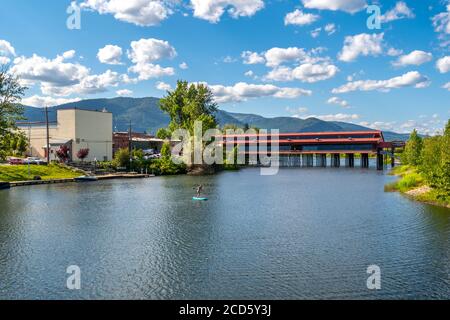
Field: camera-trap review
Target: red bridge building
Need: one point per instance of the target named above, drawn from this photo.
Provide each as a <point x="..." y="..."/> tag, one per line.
<point x="299" y="149"/>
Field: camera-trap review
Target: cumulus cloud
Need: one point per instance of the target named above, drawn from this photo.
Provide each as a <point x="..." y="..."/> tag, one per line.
<point x="39" y="101"/>
<point x="145" y="52"/>
<point x="400" y="11"/>
<point x="124" y="93"/>
<point x="110" y="54"/>
<point x="138" y="12"/>
<point x="350" y="6"/>
<point x="150" y="50"/>
<point x="394" y="52"/>
<point x="212" y="10"/>
<point x="416" y="58"/>
<point x="443" y="64"/>
<point x="361" y="44"/>
<point x="446" y="86"/>
<point x="163" y="86"/>
<point x="148" y="71"/>
<point x="51" y="72"/>
<point x="410" y="79"/>
<point x="305" y="72"/>
<point x="300" y="18"/>
<point x="6" y="49"/>
<point x="338" y="101"/>
<point x="184" y="66"/>
<point x="243" y="91"/>
<point x="276" y="56"/>
<point x="250" y="57"/>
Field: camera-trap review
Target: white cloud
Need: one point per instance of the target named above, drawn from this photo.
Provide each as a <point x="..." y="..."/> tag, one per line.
<point x="243" y="91"/>
<point x="150" y="50"/>
<point x="410" y="79"/>
<point x="443" y="64"/>
<point x="277" y="56"/>
<point x="6" y="48"/>
<point x="446" y="86"/>
<point x="316" y="32"/>
<point x="184" y="66"/>
<point x="56" y="72"/>
<point x="416" y="58"/>
<point x="250" y="57"/>
<point x="361" y="44"/>
<point x="38" y="101"/>
<point x="124" y="93"/>
<point x="163" y="86"/>
<point x="212" y="10"/>
<point x="249" y="73"/>
<point x="394" y="52"/>
<point x="139" y="12"/>
<point x="4" y="60"/>
<point x="146" y="51"/>
<point x="400" y="11"/>
<point x="350" y="6"/>
<point x="148" y="71"/>
<point x="441" y="21"/>
<point x="306" y="73"/>
<point x="110" y="54"/>
<point x="300" y="18"/>
<point x="335" y="117"/>
<point x="330" y="28"/>
<point x="91" y="84"/>
<point x="336" y="100"/>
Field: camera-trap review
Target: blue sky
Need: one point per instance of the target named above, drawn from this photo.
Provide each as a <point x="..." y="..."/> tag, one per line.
<point x="297" y="58"/>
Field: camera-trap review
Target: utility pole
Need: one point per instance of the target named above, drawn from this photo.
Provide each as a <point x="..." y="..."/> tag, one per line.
<point x="48" y="135"/>
<point x="130" y="140"/>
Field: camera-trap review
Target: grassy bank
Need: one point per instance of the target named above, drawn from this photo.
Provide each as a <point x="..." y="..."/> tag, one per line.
<point x="412" y="184"/>
<point x="21" y="173"/>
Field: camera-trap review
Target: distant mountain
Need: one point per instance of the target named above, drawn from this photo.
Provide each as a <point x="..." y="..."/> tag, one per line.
<point x="146" y="116"/>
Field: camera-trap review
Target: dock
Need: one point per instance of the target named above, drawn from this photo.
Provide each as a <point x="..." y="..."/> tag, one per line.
<point x="7" y="185"/>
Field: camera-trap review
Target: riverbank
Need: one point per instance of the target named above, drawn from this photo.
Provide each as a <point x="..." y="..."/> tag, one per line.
<point x="14" y="173"/>
<point x="412" y="184"/>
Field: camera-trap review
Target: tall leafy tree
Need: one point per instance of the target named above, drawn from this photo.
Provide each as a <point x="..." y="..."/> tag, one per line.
<point x="11" y="92"/>
<point x="189" y="103"/>
<point x="413" y="149"/>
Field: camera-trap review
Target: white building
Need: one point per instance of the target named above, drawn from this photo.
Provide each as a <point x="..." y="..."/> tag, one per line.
<point x="77" y="129"/>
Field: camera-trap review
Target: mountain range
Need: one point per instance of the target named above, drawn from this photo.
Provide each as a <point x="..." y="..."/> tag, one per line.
<point x="146" y="116"/>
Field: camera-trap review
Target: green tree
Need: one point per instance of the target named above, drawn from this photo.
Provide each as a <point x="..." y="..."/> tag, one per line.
<point x="11" y="92"/>
<point x="22" y="145"/>
<point x="189" y="103"/>
<point x="163" y="133"/>
<point x="122" y="158"/>
<point x="413" y="149"/>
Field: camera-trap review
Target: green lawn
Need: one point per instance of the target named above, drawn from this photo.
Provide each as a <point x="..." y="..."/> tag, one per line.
<point x="20" y="173"/>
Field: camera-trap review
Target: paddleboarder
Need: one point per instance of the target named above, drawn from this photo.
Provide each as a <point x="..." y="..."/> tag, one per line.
<point x="199" y="190"/>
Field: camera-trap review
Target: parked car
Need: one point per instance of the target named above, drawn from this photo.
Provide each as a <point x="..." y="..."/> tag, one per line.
<point x="15" y="161"/>
<point x="35" y="160"/>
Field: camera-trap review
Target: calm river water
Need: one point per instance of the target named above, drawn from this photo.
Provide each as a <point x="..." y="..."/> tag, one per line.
<point x="304" y="233"/>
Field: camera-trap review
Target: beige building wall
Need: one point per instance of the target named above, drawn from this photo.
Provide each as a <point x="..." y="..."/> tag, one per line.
<point x="86" y="129"/>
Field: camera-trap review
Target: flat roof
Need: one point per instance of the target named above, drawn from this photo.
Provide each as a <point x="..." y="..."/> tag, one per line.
<point x="80" y="109"/>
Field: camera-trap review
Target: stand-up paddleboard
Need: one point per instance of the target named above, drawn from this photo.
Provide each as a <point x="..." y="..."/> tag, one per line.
<point x="199" y="199"/>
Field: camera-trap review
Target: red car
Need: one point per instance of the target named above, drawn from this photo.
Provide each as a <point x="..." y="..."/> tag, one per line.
<point x="15" y="161"/>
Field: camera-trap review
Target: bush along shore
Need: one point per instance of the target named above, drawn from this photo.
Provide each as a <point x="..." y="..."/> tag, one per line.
<point x="414" y="185"/>
<point x="425" y="174"/>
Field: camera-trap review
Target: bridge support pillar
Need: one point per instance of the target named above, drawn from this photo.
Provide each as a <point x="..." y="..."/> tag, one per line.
<point x="364" y="160"/>
<point x="393" y="157"/>
<point x="380" y="161"/>
<point x="304" y="160"/>
<point x="336" y="160"/>
<point x="310" y="160"/>
<point x="321" y="160"/>
<point x="350" y="160"/>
